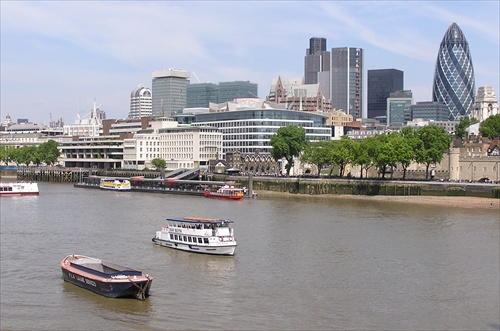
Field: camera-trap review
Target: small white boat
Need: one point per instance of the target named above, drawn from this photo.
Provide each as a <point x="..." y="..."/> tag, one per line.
<point x="198" y="235"/>
<point x="18" y="188"/>
<point x="115" y="184"/>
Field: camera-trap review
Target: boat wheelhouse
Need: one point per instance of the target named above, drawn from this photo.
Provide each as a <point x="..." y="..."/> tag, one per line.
<point x="108" y="279"/>
<point x="115" y="184"/>
<point x="18" y="188"/>
<point x="198" y="235"/>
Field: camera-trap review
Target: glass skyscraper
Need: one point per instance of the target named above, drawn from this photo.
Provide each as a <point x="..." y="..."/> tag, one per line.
<point x="454" y="83"/>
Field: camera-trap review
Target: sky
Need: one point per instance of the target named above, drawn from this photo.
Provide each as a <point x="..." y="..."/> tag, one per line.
<point x="57" y="57"/>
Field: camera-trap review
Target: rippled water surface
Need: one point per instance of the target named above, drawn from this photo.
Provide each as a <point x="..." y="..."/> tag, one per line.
<point x="304" y="264"/>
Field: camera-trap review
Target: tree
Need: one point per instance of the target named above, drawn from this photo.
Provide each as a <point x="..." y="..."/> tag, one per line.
<point x="386" y="152"/>
<point x="49" y="152"/>
<point x="159" y="163"/>
<point x="341" y="154"/>
<point x="364" y="152"/>
<point x="463" y="125"/>
<point x="316" y="153"/>
<point x="406" y="147"/>
<point x="434" y="141"/>
<point x="490" y="127"/>
<point x="287" y="143"/>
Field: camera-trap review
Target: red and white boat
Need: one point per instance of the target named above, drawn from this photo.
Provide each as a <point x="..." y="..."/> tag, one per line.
<point x="18" y="188"/>
<point x="227" y="191"/>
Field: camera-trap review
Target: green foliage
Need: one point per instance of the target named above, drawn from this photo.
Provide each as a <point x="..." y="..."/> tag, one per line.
<point x="317" y="154"/>
<point x="434" y="142"/>
<point x="490" y="127"/>
<point x="341" y="154"/>
<point x="47" y="153"/>
<point x="288" y="142"/>
<point x="364" y="153"/>
<point x="461" y="127"/>
<point x="159" y="163"/>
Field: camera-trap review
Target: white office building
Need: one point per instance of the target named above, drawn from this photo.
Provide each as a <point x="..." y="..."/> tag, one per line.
<point x="141" y="101"/>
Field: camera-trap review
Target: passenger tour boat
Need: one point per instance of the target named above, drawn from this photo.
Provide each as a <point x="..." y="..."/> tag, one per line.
<point x="227" y="191"/>
<point x="115" y="184"/>
<point x="199" y="235"/>
<point x="18" y="188"/>
<point x="110" y="280"/>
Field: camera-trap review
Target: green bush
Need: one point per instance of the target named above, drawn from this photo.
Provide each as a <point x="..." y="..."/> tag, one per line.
<point x="495" y="192"/>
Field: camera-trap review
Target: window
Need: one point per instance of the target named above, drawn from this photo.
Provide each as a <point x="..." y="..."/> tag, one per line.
<point x="205" y="240"/>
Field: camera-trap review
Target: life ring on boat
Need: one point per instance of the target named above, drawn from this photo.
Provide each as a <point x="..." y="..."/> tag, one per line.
<point x="230" y="238"/>
<point x="220" y="239"/>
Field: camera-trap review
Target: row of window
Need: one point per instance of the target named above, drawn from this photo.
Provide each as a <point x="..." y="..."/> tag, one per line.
<point x="189" y="239"/>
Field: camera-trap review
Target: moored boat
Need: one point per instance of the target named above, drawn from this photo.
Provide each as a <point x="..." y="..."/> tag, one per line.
<point x="18" y="188"/>
<point x="227" y="191"/>
<point x="108" y="279"/>
<point x="198" y="235"/>
<point x="115" y="184"/>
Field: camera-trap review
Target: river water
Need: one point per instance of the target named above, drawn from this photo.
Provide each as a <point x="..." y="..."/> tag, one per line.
<point x="301" y="263"/>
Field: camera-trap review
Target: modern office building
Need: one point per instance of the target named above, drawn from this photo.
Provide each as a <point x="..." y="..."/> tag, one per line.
<point x="429" y="110"/>
<point x="398" y="107"/>
<point x="229" y="91"/>
<point x="486" y="104"/>
<point x="454" y="83"/>
<point x="200" y="95"/>
<point x="140" y="102"/>
<point x="169" y="92"/>
<point x="316" y="60"/>
<point x="346" y="80"/>
<point x="250" y="130"/>
<point x="380" y="84"/>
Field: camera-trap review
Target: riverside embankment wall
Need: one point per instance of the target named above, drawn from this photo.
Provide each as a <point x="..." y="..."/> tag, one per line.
<point x="311" y="186"/>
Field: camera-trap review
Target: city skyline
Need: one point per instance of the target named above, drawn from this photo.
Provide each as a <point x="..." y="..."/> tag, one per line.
<point x="57" y="57"/>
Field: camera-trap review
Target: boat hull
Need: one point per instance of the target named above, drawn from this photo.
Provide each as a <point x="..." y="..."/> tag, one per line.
<point x="227" y="249"/>
<point x="18" y="189"/>
<point x="118" y="287"/>
<point x="216" y="195"/>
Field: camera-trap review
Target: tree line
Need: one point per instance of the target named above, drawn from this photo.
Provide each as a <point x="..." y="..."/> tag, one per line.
<point x="425" y="145"/>
<point x="46" y="153"/>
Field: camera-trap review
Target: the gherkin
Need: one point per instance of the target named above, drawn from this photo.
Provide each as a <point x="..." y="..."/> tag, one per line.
<point x="454" y="83"/>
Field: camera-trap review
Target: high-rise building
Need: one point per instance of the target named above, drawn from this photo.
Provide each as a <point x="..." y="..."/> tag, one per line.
<point x="200" y="95"/>
<point x="140" y="102"/>
<point x="346" y="80"/>
<point x="317" y="60"/>
<point x="486" y="104"/>
<point x="169" y="92"/>
<point x="454" y="83"/>
<point x="380" y="84"/>
<point x="398" y="107"/>
<point x="228" y="91"/>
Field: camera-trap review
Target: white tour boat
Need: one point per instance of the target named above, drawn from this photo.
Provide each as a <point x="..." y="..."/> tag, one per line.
<point x="115" y="184"/>
<point x="199" y="235"/>
<point x="18" y="188"/>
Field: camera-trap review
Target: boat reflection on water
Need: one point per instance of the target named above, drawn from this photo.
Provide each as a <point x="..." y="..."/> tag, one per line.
<point x="101" y="305"/>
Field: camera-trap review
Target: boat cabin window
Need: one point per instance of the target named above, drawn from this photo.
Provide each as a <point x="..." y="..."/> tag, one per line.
<point x="185" y="239"/>
<point x="205" y="240"/>
<point x="189" y="239"/>
<point x="171" y="236"/>
<point x="176" y="237"/>
<point x="199" y="241"/>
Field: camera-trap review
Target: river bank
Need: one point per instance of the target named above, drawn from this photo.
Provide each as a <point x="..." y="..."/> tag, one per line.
<point x="445" y="201"/>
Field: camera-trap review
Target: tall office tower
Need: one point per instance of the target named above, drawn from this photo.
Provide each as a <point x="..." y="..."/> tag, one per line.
<point x="169" y="92"/>
<point x="381" y="83"/>
<point x="486" y="104"/>
<point x="140" y="102"/>
<point x="398" y="107"/>
<point x="200" y="95"/>
<point x="317" y="60"/>
<point x="346" y="80"/>
<point x="228" y="91"/>
<point x="454" y="83"/>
